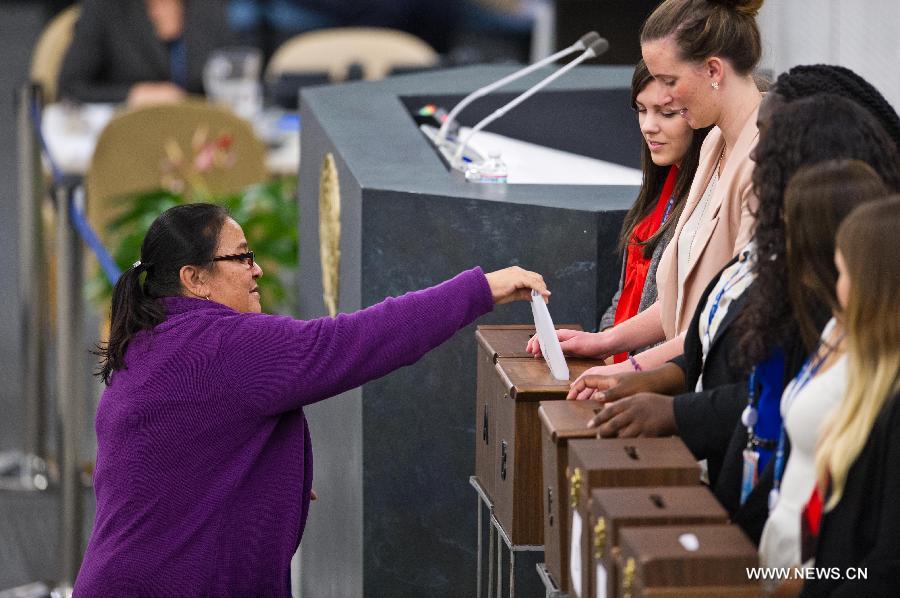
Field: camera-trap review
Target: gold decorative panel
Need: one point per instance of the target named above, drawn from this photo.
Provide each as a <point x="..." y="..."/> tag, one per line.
<point x="330" y="232"/>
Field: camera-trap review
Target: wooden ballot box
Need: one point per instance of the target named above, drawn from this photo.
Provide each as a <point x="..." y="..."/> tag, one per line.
<point x="686" y="561"/>
<point x="613" y="509"/>
<point x="510" y="385"/>
<point x="561" y="421"/>
<point x="494" y="342"/>
<point x="618" y="463"/>
<point x="518" y="501"/>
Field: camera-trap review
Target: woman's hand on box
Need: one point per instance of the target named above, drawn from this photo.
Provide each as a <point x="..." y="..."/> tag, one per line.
<point x="644" y="414"/>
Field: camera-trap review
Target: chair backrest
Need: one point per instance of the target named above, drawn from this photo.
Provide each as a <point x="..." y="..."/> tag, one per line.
<point x="51" y="48"/>
<point x="150" y="148"/>
<point x="507" y="6"/>
<point x="376" y="50"/>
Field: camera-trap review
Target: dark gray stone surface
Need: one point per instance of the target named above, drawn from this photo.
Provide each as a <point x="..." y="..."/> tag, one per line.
<point x="397" y="516"/>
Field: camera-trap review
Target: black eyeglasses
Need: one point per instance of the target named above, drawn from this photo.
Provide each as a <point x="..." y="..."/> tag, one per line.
<point x="248" y="258"/>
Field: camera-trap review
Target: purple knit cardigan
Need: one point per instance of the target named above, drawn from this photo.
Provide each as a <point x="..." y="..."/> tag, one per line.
<point x="204" y="460"/>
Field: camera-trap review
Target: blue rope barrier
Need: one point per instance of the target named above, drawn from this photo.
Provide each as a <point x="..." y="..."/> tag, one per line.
<point x="110" y="269"/>
<point x="109" y="266"/>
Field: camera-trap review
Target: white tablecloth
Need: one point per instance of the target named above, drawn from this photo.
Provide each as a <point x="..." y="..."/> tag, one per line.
<point x="71" y="134"/>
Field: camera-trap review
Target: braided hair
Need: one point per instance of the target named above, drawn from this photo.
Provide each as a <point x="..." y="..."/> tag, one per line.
<point x="805" y="80"/>
<point x="805" y="132"/>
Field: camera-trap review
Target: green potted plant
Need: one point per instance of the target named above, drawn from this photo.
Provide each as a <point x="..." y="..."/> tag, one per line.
<point x="267" y="212"/>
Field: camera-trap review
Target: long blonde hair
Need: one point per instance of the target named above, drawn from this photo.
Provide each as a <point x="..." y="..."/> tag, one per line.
<point x="869" y="241"/>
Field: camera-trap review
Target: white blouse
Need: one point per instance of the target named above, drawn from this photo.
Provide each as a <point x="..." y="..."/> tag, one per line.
<point x="803" y="418"/>
<point x="688" y="234"/>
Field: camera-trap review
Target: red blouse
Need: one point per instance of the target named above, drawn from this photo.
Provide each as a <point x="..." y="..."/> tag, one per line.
<point x="636" y="265"/>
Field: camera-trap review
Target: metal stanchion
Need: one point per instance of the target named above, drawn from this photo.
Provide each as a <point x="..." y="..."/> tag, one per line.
<point x="69" y="382"/>
<point x="499" y="563"/>
<point x="552" y="590"/>
<point x="512" y="572"/>
<point x="32" y="277"/>
<point x="478" y="551"/>
<point x="513" y="549"/>
<point x="492" y="544"/>
<point x="484" y="502"/>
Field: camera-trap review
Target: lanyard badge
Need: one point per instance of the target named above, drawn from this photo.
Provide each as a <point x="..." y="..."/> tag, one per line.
<point x="749" y="475"/>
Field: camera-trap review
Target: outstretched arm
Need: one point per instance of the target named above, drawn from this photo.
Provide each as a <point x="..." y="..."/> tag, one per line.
<point x="278" y="364"/>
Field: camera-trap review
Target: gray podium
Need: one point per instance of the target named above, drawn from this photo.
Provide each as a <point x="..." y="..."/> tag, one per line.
<point x="396" y="513"/>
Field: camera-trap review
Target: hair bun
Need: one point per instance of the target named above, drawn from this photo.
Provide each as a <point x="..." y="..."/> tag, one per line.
<point x="749" y="8"/>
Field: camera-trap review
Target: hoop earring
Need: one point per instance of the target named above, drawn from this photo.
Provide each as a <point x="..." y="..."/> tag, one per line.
<point x="715" y="85"/>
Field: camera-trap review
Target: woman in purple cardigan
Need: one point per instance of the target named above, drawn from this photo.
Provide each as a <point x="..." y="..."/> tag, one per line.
<point x="204" y="461"/>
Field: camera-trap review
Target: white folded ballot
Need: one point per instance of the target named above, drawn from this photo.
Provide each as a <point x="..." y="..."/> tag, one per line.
<point x="547" y="337"/>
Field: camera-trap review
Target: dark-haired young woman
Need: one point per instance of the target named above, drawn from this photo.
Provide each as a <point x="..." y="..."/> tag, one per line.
<point x="703" y="54"/>
<point x="204" y="460"/>
<point x="669" y="159"/>
<point x="717" y="360"/>
<point x="817" y="199"/>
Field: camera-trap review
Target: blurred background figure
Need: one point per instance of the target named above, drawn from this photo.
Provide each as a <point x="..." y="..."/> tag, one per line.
<point x="142" y="51"/>
<point x="271" y="22"/>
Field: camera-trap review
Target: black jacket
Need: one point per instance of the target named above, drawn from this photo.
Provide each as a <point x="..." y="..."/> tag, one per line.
<point x="706" y="419"/>
<point x="115" y="46"/>
<point x="709" y="421"/>
<point x="863" y="530"/>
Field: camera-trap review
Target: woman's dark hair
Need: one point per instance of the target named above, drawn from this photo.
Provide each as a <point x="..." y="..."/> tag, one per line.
<point x="704" y="28"/>
<point x="183" y="235"/>
<point x="805" y="132"/>
<point x="655" y="176"/>
<point x="808" y="79"/>
<point x="816" y="201"/>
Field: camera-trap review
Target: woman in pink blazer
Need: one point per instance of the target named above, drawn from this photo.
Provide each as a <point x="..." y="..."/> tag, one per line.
<point x="703" y="53"/>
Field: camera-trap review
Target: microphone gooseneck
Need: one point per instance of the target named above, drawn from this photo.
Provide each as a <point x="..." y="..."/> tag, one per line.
<point x="583" y="43"/>
<point x="597" y="47"/>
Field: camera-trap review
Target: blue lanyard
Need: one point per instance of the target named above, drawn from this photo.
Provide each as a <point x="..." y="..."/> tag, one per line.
<point x="807" y="373"/>
<point x="735" y="278"/>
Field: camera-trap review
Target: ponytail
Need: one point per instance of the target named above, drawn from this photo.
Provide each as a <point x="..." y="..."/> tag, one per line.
<point x="132" y="311"/>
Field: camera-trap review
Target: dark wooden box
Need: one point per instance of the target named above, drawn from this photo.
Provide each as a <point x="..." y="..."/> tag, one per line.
<point x="613" y="509"/>
<point x="494" y="342"/>
<point x="519" y="503"/>
<point x="561" y="421"/>
<point x="619" y="463"/>
<point x="656" y="562"/>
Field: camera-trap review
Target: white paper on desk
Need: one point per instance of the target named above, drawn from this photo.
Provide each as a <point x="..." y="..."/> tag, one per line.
<point x="575" y="554"/>
<point x="547" y="338"/>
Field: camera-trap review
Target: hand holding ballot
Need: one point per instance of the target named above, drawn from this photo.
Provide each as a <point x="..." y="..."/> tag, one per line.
<point x="515" y="284"/>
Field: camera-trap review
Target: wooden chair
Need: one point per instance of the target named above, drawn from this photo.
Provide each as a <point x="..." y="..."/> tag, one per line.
<point x="376" y="50"/>
<point x="134" y="154"/>
<point x="51" y="48"/>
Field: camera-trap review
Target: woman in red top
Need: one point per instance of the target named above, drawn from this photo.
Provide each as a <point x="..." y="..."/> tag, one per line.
<point x="669" y="159"/>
